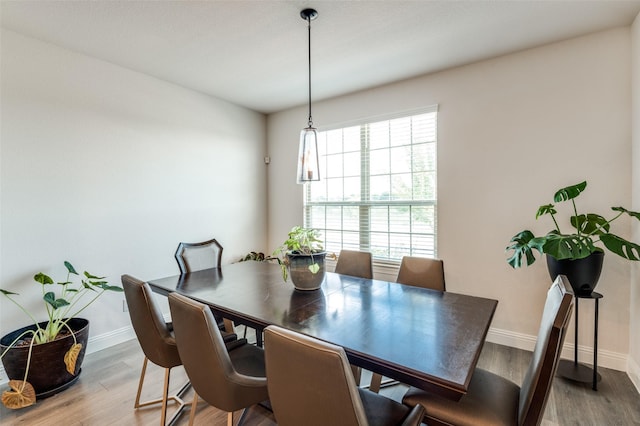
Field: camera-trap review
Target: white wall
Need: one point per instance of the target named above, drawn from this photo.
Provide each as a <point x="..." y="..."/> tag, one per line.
<point x="512" y="130"/>
<point x="110" y="169"/>
<point x="634" y="328"/>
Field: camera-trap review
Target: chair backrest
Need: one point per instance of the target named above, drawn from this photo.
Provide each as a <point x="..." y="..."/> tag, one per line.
<point x="193" y="257"/>
<point x="206" y="359"/>
<point x="354" y="263"/>
<point x="310" y="382"/>
<point x="536" y="385"/>
<point x="156" y="340"/>
<point x="422" y="272"/>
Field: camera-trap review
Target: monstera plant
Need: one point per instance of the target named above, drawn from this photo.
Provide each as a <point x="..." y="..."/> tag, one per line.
<point x="588" y="230"/>
<point x="580" y="252"/>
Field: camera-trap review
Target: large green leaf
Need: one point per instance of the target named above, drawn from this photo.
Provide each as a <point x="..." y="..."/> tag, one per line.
<point x="546" y="209"/>
<point x="522" y="250"/>
<point x="70" y="268"/>
<point x="629" y="212"/>
<point x="621" y="247"/>
<point x="590" y="224"/>
<point x="569" y="192"/>
<point x="50" y="298"/>
<point x="567" y="246"/>
<point x="42" y="278"/>
<point x="92" y="277"/>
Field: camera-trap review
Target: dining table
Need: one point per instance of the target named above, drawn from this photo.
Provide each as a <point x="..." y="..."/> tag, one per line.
<point x="424" y="338"/>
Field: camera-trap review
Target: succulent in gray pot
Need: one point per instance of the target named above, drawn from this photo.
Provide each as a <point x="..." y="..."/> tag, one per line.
<point x="44" y="358"/>
<point x="302" y="257"/>
<point x="578" y="254"/>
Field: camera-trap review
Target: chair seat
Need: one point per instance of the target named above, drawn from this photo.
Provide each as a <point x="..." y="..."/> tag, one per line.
<point x="491" y="400"/>
<point x="248" y="359"/>
<point x="382" y="411"/>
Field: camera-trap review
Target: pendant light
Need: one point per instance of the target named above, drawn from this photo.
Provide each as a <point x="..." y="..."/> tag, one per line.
<point x="308" y="161"/>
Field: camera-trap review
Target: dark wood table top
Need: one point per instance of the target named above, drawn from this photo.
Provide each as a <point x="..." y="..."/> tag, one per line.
<point x="425" y="338"/>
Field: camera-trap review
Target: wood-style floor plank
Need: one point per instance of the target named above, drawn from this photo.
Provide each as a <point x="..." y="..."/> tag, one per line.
<point x="106" y="389"/>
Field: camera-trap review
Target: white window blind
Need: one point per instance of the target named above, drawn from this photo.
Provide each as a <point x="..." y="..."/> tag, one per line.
<point x="377" y="190"/>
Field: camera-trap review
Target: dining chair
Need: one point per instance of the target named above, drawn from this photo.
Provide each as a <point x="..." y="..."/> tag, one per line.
<point x="493" y="400"/>
<point x="354" y="263"/>
<point x="192" y="257"/>
<point x="310" y="383"/>
<point x="418" y="272"/>
<point x="422" y="272"/>
<point x="228" y="380"/>
<point x="156" y="340"/>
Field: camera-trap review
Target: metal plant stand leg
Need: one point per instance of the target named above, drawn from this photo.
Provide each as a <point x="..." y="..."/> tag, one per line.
<point x="573" y="370"/>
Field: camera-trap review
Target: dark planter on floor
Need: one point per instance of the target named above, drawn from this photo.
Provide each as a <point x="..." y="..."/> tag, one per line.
<point x="47" y="373"/>
<point x="583" y="274"/>
<point x="301" y="276"/>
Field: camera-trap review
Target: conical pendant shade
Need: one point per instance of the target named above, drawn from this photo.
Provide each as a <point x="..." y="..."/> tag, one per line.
<point x="308" y="161"/>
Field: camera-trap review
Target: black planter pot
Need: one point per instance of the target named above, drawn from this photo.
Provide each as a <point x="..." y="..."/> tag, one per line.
<point x="47" y="373"/>
<point x="583" y="274"/>
<point x="301" y="276"/>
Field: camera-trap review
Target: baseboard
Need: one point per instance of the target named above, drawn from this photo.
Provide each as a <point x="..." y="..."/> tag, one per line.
<point x="633" y="370"/>
<point x="95" y="344"/>
<point x="607" y="359"/>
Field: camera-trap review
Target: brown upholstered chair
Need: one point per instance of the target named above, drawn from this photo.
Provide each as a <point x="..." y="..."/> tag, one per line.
<point x="310" y="383"/>
<point x="422" y="272"/>
<point x="354" y="263"/>
<point x="493" y="400"/>
<point x="156" y="340"/>
<point x="228" y="380"/>
<point x="418" y="272"/>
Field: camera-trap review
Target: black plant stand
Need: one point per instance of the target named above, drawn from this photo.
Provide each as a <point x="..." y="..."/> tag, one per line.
<point x="573" y="370"/>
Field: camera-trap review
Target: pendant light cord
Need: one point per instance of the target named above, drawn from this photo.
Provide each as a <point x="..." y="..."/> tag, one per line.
<point x="309" y="30"/>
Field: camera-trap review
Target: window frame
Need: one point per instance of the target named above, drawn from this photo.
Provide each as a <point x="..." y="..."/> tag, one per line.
<point x="366" y="204"/>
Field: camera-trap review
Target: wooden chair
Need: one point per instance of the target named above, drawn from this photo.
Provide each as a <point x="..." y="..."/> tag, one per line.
<point x="422" y="272"/>
<point x="355" y="263"/>
<point x="493" y="400"/>
<point x="229" y="380"/>
<point x="310" y="383"/>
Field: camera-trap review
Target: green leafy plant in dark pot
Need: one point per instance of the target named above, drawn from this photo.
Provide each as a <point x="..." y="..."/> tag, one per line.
<point x="31" y="353"/>
<point x="302" y="256"/>
<point x="581" y="251"/>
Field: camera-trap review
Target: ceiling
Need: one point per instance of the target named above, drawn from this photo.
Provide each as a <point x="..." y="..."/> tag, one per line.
<point x="254" y="53"/>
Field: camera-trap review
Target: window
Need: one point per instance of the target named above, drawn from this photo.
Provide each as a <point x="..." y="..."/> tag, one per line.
<point x="378" y="187"/>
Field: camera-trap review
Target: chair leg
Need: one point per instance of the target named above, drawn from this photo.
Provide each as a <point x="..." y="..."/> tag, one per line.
<point x="141" y="382"/>
<point x="194" y="405"/>
<point x="165" y="395"/>
<point x="230" y="418"/>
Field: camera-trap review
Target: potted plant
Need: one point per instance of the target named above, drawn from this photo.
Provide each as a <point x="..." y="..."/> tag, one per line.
<point x="578" y="254"/>
<point x="302" y="256"/>
<point x="45" y="357"/>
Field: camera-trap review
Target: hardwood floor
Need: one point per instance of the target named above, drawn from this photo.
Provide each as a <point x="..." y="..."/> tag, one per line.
<point x="107" y="386"/>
